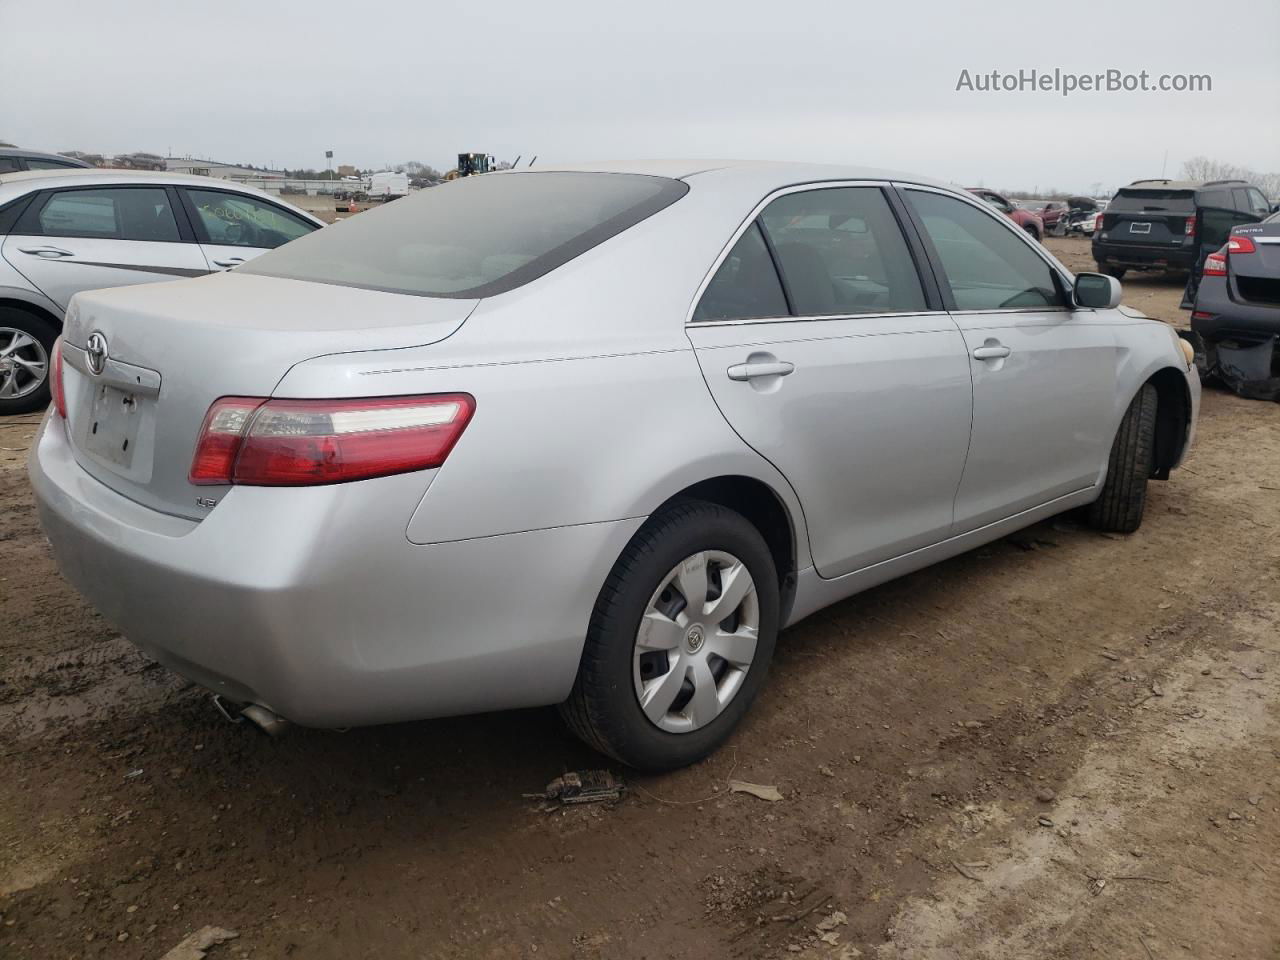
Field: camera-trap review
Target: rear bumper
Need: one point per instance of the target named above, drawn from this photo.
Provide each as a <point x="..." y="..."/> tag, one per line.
<point x="1229" y="319"/>
<point x="312" y="602"/>
<point x="1144" y="257"/>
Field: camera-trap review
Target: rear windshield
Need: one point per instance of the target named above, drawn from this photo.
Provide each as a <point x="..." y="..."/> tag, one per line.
<point x="475" y="237"/>
<point x="1153" y="201"/>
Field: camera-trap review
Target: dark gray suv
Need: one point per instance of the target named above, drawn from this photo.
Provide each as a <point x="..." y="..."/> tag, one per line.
<point x="1172" y="224"/>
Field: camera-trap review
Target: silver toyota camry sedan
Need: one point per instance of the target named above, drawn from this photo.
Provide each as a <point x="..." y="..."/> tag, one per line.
<point x="584" y="436"/>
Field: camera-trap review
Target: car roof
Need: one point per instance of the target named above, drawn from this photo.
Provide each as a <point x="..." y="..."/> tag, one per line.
<point x="13" y="185"/>
<point x="1181" y="184"/>
<point x="39" y="155"/>
<point x="703" y="171"/>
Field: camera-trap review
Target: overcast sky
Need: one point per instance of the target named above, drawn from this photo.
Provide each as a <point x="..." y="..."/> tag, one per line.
<point x="829" y="80"/>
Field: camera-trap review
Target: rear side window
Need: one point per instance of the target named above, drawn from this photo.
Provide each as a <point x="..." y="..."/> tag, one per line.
<point x="112" y="213"/>
<point x="239" y="221"/>
<point x="987" y="264"/>
<point x="842" y="252"/>
<point x="746" y="287"/>
<point x="1130" y="200"/>
<point x="474" y="237"/>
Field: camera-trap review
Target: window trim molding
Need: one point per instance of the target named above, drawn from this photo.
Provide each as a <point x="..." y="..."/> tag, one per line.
<point x="886" y="187"/>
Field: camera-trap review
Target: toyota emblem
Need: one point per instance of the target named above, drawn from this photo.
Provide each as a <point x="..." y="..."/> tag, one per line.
<point x="95" y="350"/>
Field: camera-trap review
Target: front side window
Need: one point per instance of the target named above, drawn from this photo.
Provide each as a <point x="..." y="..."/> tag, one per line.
<point x="746" y="287"/>
<point x="112" y="213"/>
<point x="987" y="264"/>
<point x="38" y="164"/>
<point x="1258" y="203"/>
<point x="240" y="221"/>
<point x="841" y="252"/>
<point x="476" y="236"/>
<point x="9" y="165"/>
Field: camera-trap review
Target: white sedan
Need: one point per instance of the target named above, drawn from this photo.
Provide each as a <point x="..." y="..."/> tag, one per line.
<point x="63" y="231"/>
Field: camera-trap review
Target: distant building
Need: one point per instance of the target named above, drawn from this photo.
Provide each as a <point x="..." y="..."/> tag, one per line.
<point x="215" y="168"/>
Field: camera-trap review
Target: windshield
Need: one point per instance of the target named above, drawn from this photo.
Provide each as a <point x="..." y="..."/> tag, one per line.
<point x="474" y="237"/>
<point x="1153" y="201"/>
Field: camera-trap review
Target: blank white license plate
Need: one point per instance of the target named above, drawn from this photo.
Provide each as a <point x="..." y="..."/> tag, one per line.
<point x="113" y="425"/>
<point x="1139" y="228"/>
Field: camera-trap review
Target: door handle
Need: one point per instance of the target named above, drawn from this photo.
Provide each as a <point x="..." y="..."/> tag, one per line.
<point x="990" y="351"/>
<point x="49" y="253"/>
<point x="752" y="370"/>
<point x="229" y="262"/>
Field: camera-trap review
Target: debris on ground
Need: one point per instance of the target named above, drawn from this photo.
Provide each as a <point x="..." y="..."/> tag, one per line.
<point x="763" y="791"/>
<point x="582" y="786"/>
<point x="194" y="946"/>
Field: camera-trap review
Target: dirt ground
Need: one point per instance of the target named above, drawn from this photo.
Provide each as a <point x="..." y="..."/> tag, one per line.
<point x="1063" y="745"/>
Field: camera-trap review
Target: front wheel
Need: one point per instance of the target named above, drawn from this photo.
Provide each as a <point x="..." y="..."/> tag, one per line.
<point x="1124" y="495"/>
<point x="680" y="639"/>
<point x="26" y="344"/>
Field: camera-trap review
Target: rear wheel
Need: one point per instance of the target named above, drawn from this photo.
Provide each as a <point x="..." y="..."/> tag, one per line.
<point x="1124" y="495"/>
<point x="26" y="344"/>
<point x="1117" y="272"/>
<point x="680" y="639"/>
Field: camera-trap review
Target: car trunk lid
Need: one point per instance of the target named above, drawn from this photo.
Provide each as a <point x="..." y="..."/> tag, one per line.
<point x="1257" y="273"/>
<point x="143" y="364"/>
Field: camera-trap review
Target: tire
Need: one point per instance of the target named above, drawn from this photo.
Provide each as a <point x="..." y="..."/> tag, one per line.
<point x="1032" y="232"/>
<point x="1117" y="272"/>
<point x="604" y="706"/>
<point x="35" y="336"/>
<point x="1124" y="495"/>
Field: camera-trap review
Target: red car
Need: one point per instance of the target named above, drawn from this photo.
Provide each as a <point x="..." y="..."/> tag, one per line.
<point x="1027" y="220"/>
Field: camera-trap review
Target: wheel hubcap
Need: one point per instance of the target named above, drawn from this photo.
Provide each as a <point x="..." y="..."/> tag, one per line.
<point x="696" y="641"/>
<point x="23" y="364"/>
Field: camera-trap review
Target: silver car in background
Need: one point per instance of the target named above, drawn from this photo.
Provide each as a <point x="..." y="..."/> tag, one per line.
<point x="67" y="230"/>
<point x="584" y="436"/>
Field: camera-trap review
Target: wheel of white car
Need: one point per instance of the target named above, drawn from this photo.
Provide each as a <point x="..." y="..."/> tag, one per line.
<point x="680" y="639"/>
<point x="26" y="344"/>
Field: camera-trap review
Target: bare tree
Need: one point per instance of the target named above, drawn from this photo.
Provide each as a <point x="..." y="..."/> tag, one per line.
<point x="1205" y="168"/>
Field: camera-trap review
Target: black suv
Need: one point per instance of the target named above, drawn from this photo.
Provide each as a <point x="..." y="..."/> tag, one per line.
<point x="1172" y="224"/>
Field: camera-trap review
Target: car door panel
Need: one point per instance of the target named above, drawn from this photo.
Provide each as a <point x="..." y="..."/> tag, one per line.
<point x="1044" y="375"/>
<point x="74" y="239"/>
<point x="870" y="427"/>
<point x="1040" y="414"/>
<point x="861" y="395"/>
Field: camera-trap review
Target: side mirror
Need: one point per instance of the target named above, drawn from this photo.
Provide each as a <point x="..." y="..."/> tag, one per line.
<point x="1097" y="290"/>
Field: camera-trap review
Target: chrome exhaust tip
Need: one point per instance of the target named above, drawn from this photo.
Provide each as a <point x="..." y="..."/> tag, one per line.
<point x="271" y="724"/>
<point x="265" y="720"/>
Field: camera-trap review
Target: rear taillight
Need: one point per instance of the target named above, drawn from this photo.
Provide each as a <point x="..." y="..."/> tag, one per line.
<point x="257" y="442"/>
<point x="1215" y="265"/>
<point x="1241" y="245"/>
<point x="1189" y="226"/>
<point x="56" y="386"/>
